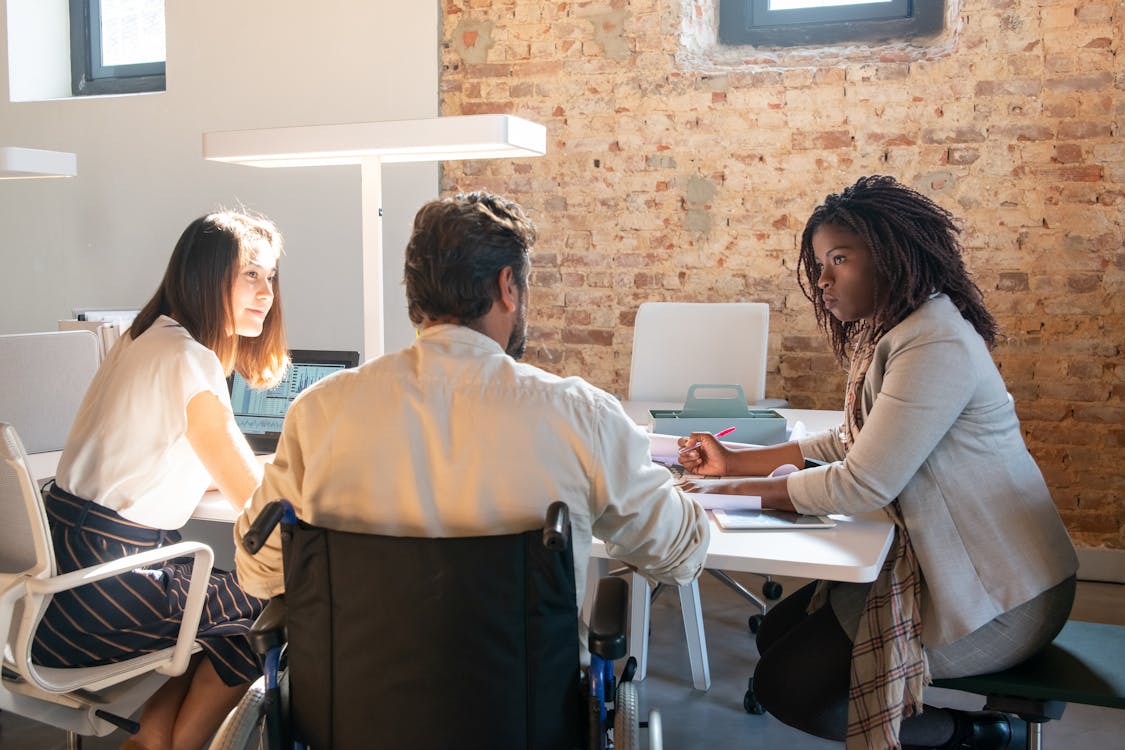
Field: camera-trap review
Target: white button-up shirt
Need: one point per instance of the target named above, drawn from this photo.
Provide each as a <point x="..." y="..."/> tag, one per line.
<point x="452" y="437"/>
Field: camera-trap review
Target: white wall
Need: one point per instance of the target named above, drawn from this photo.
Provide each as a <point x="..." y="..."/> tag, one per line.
<point x="102" y="239"/>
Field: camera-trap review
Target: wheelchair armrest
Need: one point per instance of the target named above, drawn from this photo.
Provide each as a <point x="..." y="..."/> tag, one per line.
<point x="609" y="618"/>
<point x="268" y="631"/>
<point x="264" y="524"/>
<point x="556" y="532"/>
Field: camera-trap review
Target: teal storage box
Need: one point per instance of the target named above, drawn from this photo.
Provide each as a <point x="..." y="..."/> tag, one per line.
<point x="708" y="411"/>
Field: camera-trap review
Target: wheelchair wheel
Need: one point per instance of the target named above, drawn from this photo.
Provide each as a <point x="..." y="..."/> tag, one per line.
<point x="245" y="720"/>
<point x="626" y="717"/>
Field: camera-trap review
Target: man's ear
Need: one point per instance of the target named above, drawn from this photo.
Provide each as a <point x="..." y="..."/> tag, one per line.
<point x="509" y="292"/>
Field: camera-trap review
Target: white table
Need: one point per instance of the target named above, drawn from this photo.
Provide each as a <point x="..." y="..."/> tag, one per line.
<point x="213" y="506"/>
<point x="852" y="551"/>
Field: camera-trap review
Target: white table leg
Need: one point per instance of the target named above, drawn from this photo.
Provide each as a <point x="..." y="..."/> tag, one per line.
<point x="692" y="611"/>
<point x="639" y="597"/>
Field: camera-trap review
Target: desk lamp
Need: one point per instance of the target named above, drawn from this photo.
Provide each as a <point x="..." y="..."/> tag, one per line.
<point x="369" y="145"/>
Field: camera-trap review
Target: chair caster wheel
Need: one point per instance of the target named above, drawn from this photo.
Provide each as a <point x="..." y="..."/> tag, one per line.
<point x="772" y="590"/>
<point x="750" y="701"/>
<point x="754" y="623"/>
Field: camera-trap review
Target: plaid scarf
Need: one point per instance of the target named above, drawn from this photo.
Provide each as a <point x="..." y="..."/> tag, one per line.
<point x="888" y="670"/>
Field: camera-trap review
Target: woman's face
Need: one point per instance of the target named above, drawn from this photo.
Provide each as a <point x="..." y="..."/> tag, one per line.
<point x="252" y="292"/>
<point x="847" y="273"/>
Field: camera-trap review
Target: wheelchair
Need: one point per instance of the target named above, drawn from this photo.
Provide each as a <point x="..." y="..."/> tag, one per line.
<point x="462" y="642"/>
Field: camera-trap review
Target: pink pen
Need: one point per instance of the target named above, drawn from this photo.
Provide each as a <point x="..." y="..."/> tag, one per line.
<point x="719" y="434"/>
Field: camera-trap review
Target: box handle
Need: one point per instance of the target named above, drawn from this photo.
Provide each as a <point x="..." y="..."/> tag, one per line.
<point x="733" y="404"/>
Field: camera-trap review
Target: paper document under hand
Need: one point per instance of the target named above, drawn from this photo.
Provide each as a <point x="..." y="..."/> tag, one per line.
<point x="665" y="450"/>
<point x="726" y="502"/>
<point x="714" y="501"/>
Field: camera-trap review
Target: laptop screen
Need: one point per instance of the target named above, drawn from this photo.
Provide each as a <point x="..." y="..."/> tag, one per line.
<point x="260" y="413"/>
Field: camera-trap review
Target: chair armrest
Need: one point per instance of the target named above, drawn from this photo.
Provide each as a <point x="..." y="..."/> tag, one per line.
<point x="82" y="576"/>
<point x="197" y="590"/>
<point x="609" y="618"/>
<point x="268" y="631"/>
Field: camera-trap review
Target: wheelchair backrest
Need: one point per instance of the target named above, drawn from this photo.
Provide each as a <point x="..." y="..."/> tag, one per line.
<point x="416" y="642"/>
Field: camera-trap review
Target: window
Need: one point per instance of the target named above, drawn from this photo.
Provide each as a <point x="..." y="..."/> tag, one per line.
<point x="784" y="23"/>
<point x="116" y="46"/>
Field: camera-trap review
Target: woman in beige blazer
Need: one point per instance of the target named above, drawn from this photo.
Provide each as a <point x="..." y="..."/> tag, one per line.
<point x="981" y="574"/>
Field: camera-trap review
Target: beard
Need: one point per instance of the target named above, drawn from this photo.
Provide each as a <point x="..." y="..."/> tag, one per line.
<point x="517" y="340"/>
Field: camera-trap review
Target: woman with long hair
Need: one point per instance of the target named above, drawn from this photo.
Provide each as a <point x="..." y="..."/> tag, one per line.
<point x="981" y="573"/>
<point x="154" y="432"/>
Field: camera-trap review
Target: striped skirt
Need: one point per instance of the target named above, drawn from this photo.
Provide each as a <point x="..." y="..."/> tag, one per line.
<point x="139" y="611"/>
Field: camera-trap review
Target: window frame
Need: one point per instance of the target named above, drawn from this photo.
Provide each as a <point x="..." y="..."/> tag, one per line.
<point x="88" y="77"/>
<point x="751" y="22"/>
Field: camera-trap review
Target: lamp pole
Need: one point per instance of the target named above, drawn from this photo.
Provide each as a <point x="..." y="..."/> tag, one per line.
<point x="371" y="204"/>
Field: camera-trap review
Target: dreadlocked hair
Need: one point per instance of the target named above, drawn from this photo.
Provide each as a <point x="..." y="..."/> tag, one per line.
<point x="914" y="247"/>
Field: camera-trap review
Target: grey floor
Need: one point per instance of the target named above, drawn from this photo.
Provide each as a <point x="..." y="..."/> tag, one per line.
<point x="715" y="719"/>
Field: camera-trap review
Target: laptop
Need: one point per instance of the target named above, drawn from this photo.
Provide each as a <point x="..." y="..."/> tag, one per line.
<point x="260" y="413"/>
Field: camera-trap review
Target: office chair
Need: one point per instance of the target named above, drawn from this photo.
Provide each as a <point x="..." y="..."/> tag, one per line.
<point x="680" y="344"/>
<point x="434" y="643"/>
<point x="45" y="377"/>
<point x="81" y="700"/>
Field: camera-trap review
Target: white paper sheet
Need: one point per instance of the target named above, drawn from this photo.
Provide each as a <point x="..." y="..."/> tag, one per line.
<point x="666" y="450"/>
<point x="725" y="502"/>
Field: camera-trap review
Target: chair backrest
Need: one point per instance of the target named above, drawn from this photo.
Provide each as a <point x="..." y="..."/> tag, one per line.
<point x="25" y="549"/>
<point x="423" y="643"/>
<point x="679" y="344"/>
<point x="25" y="541"/>
<point x="43" y="378"/>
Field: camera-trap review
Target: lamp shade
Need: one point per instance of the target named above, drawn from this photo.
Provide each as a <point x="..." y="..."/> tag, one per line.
<point x="21" y="163"/>
<point x="430" y="139"/>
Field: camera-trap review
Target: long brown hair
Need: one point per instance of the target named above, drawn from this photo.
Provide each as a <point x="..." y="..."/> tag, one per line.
<point x="196" y="293"/>
<point x="915" y="249"/>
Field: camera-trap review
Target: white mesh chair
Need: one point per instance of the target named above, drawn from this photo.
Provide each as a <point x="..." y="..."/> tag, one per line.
<point x="80" y="700"/>
<point x="45" y="377"/>
<point x="677" y="345"/>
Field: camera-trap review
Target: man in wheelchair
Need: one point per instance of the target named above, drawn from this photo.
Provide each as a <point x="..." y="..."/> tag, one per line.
<point x="453" y="437"/>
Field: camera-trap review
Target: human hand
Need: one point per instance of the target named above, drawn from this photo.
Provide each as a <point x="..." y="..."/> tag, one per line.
<point x="702" y="453"/>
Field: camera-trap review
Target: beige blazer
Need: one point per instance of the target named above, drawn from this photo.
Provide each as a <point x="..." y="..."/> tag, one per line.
<point x="940" y="433"/>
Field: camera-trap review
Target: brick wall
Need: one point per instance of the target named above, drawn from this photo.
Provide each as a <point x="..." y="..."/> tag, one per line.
<point x="678" y="170"/>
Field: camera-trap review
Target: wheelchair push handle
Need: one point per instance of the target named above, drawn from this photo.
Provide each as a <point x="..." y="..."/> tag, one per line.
<point x="259" y="531"/>
<point x="556" y="532"/>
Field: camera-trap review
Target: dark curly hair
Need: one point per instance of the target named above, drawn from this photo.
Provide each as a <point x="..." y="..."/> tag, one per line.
<point x="456" y="251"/>
<point x="915" y="250"/>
